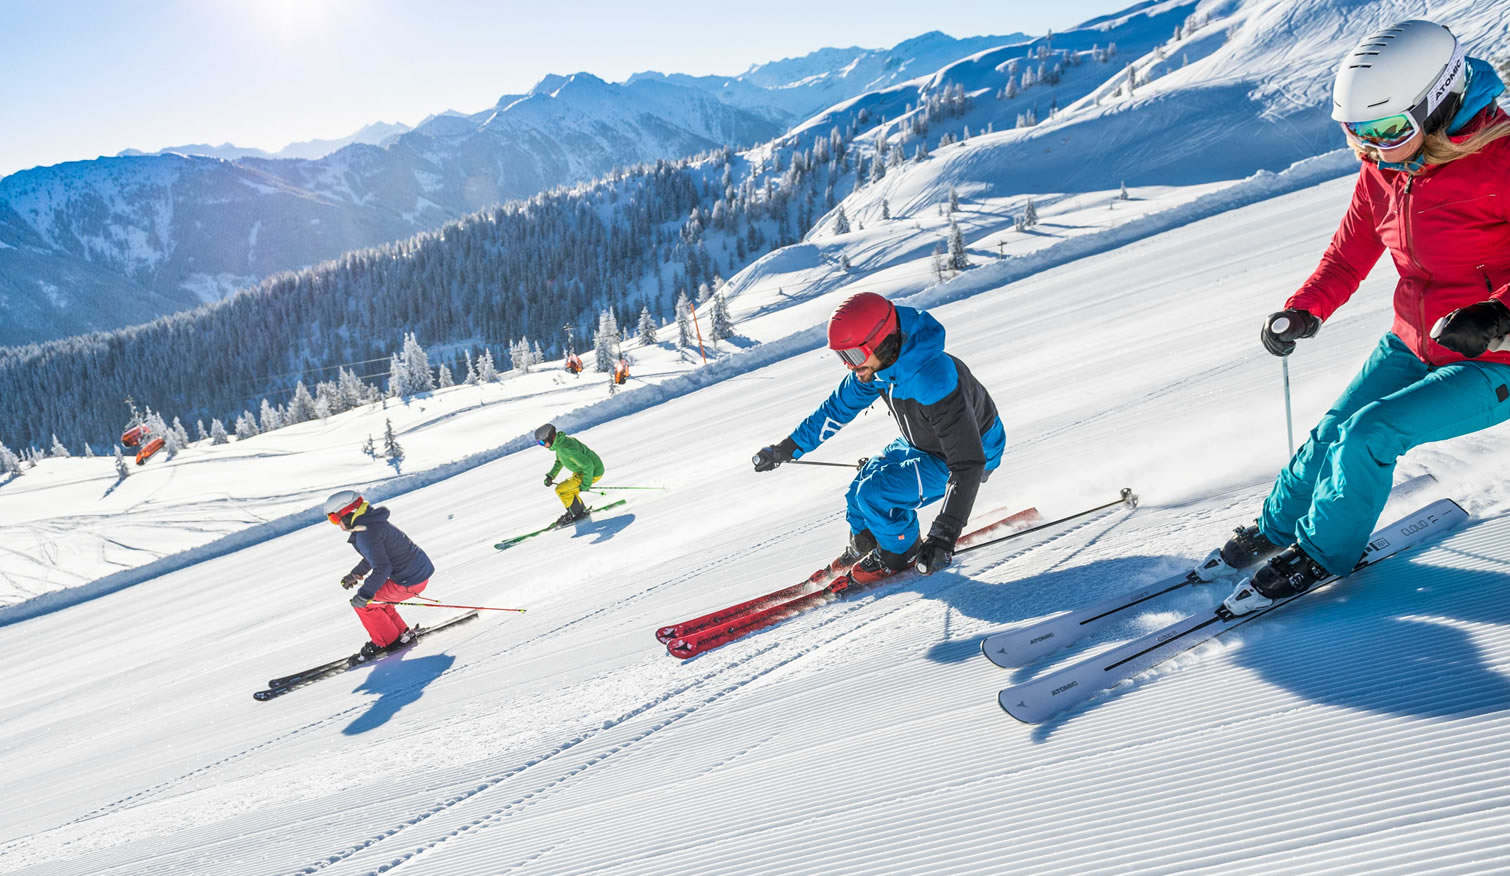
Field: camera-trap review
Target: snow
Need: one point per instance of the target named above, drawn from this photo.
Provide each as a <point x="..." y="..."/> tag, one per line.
<point x="1360" y="730"/>
<point x="860" y="737"/>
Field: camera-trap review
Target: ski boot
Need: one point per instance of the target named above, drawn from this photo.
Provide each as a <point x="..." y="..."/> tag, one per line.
<point x="1246" y="547"/>
<point x="860" y="543"/>
<point x="881" y="563"/>
<point x="370" y="651"/>
<point x="1289" y="573"/>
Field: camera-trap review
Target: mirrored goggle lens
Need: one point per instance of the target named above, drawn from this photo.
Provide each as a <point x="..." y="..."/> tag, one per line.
<point x="853" y="358"/>
<point x="1385" y="133"/>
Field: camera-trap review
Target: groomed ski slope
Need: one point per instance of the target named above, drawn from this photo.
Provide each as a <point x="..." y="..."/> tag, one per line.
<point x="1362" y="731"/>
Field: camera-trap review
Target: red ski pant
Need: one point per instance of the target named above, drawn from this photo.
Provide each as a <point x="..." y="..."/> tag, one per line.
<point x="382" y="621"/>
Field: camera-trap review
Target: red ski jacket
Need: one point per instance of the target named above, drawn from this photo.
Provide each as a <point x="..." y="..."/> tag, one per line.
<point x="1447" y="229"/>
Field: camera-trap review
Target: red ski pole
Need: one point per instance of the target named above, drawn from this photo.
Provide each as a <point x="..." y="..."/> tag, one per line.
<point x="444" y="605"/>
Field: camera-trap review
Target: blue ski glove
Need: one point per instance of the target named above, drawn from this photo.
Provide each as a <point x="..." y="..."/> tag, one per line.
<point x="935" y="554"/>
<point x="360" y="601"/>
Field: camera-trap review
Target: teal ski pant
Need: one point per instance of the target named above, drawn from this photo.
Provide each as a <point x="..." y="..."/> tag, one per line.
<point x="1329" y="497"/>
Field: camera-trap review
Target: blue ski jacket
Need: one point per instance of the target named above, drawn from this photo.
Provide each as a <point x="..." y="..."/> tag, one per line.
<point x="387" y="554"/>
<point x="938" y="404"/>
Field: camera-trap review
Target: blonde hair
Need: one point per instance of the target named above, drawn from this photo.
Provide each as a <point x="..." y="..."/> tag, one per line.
<point x="1438" y="147"/>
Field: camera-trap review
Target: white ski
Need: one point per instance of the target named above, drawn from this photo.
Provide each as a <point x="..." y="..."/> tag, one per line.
<point x="1035" y="701"/>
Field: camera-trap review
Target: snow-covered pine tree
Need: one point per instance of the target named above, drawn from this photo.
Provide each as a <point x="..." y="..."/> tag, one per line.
<point x="88" y="451"/>
<point x="684" y="337"/>
<point x="841" y="221"/>
<point x="10" y="464"/>
<point x="417" y="367"/>
<point x="722" y="324"/>
<point x="58" y="450"/>
<point x="397" y="380"/>
<point x="1030" y="213"/>
<point x="959" y="259"/>
<point x="268" y="418"/>
<point x="370" y="448"/>
<point x="444" y="377"/>
<point x="122" y="470"/>
<point x="246" y="426"/>
<point x="1123" y="196"/>
<point x="647" y="326"/>
<point x="885" y="209"/>
<point x="199" y="433"/>
<point x="217" y="433"/>
<point x="392" y="450"/>
<point x="844" y="262"/>
<point x="487" y="372"/>
<point x="953" y="199"/>
<point x="352" y="391"/>
<point x="180" y="433"/>
<point x="537" y="355"/>
<point x="471" y="370"/>
<point x="301" y="408"/>
<point x="519" y="355"/>
<point x="606" y="341"/>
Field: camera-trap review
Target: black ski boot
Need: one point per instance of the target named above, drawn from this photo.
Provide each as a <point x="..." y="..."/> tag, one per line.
<point x="369" y="651"/>
<point x="574" y="512"/>
<point x="1288" y="573"/>
<point x="1248" y="546"/>
<point x="860" y="544"/>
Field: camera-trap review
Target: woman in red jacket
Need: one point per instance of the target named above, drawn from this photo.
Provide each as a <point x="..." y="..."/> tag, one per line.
<point x="1434" y="190"/>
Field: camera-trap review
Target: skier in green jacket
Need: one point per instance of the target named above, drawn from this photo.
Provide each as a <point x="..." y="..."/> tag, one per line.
<point x="575" y="457"/>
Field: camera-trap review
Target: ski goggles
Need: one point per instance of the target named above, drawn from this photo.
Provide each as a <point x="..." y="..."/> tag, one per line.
<point x="358" y="506"/>
<point x="854" y="358"/>
<point x="1386" y="133"/>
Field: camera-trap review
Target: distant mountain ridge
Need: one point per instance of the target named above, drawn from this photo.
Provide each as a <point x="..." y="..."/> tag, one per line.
<point x="375" y="134"/>
<point x="154" y="234"/>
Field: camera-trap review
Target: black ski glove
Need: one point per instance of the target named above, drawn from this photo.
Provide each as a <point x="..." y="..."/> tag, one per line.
<point x="360" y="601"/>
<point x="774" y="455"/>
<point x="935" y="554"/>
<point x="1283" y="329"/>
<point x="1471" y="330"/>
<point x="350" y="580"/>
<point x="550" y="481"/>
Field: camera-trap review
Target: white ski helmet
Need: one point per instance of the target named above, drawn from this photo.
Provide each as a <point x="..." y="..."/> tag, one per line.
<point x="1405" y="78"/>
<point x="343" y="503"/>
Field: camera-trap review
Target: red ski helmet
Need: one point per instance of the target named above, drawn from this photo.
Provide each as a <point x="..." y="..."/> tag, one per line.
<point x="859" y="325"/>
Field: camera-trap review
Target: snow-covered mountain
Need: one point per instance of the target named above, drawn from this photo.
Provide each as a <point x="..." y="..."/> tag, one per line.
<point x="375" y="134"/>
<point x="160" y="233"/>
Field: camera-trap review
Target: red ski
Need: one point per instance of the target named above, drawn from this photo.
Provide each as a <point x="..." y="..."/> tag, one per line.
<point x="690" y="638"/>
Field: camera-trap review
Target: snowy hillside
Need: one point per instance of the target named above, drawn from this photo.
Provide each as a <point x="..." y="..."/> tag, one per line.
<point x="162" y="233"/>
<point x="1361" y="731"/>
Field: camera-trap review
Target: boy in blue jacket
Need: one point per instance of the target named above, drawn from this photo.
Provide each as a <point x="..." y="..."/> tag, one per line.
<point x="395" y="569"/>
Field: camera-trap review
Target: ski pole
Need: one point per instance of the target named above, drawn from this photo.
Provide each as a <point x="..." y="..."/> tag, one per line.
<point x="601" y="489"/>
<point x="1284" y="362"/>
<point x="834" y="464"/>
<point x="444" y="605"/>
<point x="1129" y="498"/>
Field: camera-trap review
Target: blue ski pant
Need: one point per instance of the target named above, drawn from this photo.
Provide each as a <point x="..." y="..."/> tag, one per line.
<point x="1328" y="499"/>
<point x="887" y="493"/>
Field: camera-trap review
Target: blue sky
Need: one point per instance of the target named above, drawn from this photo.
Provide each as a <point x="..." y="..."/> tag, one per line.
<point x="90" y="78"/>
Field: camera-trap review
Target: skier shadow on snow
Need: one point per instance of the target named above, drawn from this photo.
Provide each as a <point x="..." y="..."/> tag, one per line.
<point x="1396" y="640"/>
<point x="601" y="530"/>
<point x="1018" y="600"/>
<point x="398" y="682"/>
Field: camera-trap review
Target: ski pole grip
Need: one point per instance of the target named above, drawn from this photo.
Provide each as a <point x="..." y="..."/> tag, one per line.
<point x="1280" y="324"/>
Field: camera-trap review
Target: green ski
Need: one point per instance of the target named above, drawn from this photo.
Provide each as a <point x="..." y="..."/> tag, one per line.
<point x="508" y="543"/>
